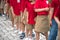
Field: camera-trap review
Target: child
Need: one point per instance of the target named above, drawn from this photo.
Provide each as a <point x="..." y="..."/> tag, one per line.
<point x="30" y="18"/>
<point x="57" y="19"/>
<point x="6" y="8"/>
<point x="42" y="21"/>
<point x="15" y="8"/>
<point x="18" y="7"/>
<point x="54" y="26"/>
<point x="2" y="7"/>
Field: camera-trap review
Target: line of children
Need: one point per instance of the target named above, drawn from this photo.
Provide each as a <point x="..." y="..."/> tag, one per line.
<point x="31" y="7"/>
<point x="17" y="7"/>
<point x="31" y="14"/>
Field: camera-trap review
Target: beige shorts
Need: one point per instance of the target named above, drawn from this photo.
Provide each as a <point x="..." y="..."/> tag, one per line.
<point x="17" y="19"/>
<point x="42" y="24"/>
<point x="25" y="17"/>
<point x="29" y="26"/>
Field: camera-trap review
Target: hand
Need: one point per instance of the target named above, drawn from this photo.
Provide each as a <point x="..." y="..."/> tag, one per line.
<point x="50" y="23"/>
<point x="47" y="9"/>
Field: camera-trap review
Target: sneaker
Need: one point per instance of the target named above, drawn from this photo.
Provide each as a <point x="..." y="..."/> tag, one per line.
<point x="33" y="35"/>
<point x="22" y="35"/>
<point x="3" y="15"/>
<point x="19" y="33"/>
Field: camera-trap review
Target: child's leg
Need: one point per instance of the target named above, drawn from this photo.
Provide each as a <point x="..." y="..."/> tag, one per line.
<point x="30" y="31"/>
<point x="37" y="35"/>
<point x="46" y="34"/>
<point x="22" y="27"/>
<point x="22" y="24"/>
<point x="27" y="32"/>
<point x="12" y="22"/>
<point x="17" y="23"/>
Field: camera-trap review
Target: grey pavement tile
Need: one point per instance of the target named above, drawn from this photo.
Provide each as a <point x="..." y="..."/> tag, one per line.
<point x="6" y="38"/>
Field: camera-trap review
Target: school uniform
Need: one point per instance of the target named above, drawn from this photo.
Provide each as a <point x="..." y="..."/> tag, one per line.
<point x="54" y="26"/>
<point x="31" y="15"/>
<point x="16" y="4"/>
<point x="42" y="21"/>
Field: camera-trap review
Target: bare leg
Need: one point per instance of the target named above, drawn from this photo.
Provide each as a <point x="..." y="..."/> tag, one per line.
<point x="17" y="24"/>
<point x="30" y="33"/>
<point x="12" y="22"/>
<point x="22" y="27"/>
<point x="37" y="36"/>
<point x="27" y="32"/>
<point x="46" y="34"/>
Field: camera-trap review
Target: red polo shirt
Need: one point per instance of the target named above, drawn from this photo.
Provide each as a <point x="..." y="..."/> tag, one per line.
<point x="58" y="11"/>
<point x="57" y="15"/>
<point x="23" y="4"/>
<point x="31" y="12"/>
<point x="41" y="4"/>
<point x="16" y="6"/>
<point x="55" y="4"/>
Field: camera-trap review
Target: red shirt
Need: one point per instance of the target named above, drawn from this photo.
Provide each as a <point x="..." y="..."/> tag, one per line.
<point x="16" y="6"/>
<point x="23" y="2"/>
<point x="31" y="12"/>
<point x="58" y="11"/>
<point x="57" y="15"/>
<point x="41" y="4"/>
<point x="55" y="4"/>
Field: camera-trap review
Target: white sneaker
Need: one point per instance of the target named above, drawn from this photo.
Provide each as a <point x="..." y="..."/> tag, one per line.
<point x="3" y="15"/>
<point x="19" y="32"/>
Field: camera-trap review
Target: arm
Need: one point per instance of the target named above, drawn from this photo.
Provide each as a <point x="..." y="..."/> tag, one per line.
<point x="23" y="15"/>
<point x="42" y="9"/>
<point x="58" y="22"/>
<point x="56" y="19"/>
<point x="12" y="11"/>
<point x="51" y="13"/>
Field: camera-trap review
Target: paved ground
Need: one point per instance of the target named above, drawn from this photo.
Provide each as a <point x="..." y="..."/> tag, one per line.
<point x="5" y="30"/>
<point x="6" y="33"/>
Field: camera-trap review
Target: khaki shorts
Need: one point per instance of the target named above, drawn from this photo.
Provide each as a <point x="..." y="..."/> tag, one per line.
<point x="25" y="17"/>
<point x="29" y="26"/>
<point x="17" y="19"/>
<point x="42" y="24"/>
